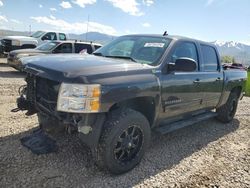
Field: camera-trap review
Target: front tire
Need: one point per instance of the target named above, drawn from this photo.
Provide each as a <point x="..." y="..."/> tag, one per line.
<point x="123" y="142"/>
<point x="227" y="111"/>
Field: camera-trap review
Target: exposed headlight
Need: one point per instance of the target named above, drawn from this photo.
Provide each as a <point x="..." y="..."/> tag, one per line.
<point x="79" y="98"/>
<point x="16" y="43"/>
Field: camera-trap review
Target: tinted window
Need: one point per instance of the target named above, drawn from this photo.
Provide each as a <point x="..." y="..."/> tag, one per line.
<point x="79" y="47"/>
<point x="49" y="36"/>
<point x="62" y="36"/>
<point x="185" y="49"/>
<point x="210" y="60"/>
<point x="64" y="48"/>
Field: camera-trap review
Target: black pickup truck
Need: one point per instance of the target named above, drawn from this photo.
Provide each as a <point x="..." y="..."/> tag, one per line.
<point x="132" y="86"/>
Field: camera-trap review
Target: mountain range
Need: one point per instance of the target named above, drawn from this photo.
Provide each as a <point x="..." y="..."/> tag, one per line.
<point x="241" y="52"/>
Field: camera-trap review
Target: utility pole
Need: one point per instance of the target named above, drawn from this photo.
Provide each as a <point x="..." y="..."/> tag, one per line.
<point x="30" y="29"/>
<point x="86" y="35"/>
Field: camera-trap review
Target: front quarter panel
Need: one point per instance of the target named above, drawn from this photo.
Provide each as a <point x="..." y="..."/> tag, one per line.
<point x="117" y="89"/>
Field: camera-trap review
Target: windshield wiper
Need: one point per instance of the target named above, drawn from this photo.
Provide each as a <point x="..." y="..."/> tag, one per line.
<point x="122" y="57"/>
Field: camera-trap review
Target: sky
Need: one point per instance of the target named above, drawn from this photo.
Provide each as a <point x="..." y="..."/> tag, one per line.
<point x="208" y="20"/>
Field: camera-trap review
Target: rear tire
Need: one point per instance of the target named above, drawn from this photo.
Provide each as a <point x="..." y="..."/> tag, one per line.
<point x="124" y="139"/>
<point x="227" y="111"/>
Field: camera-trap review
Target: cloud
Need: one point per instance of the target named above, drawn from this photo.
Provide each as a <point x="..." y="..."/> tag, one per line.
<point x="83" y="3"/>
<point x="15" y="21"/>
<point x="52" y="17"/>
<point x="209" y="2"/>
<point x="128" y="6"/>
<point x="77" y="27"/>
<point x="1" y="3"/>
<point x="146" y="24"/>
<point x="3" y="19"/>
<point x="53" y="9"/>
<point x="65" y="4"/>
<point x="40" y="6"/>
<point x="148" y="2"/>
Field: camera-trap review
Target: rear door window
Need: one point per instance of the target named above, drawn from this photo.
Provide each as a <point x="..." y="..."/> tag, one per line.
<point x="62" y="36"/>
<point x="210" y="59"/>
<point x="79" y="47"/>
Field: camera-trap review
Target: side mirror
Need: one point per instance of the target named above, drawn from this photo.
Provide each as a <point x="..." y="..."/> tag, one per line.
<point x="183" y="65"/>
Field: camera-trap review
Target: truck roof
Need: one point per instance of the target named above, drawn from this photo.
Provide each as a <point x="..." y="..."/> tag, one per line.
<point x="76" y="41"/>
<point x="173" y="37"/>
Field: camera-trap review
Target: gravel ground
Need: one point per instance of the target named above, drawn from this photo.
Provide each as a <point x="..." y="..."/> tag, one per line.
<point x="208" y="154"/>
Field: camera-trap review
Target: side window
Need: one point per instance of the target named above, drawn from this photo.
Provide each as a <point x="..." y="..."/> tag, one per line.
<point x="49" y="36"/>
<point x="79" y="47"/>
<point x="62" y="36"/>
<point x="210" y="60"/>
<point x="185" y="49"/>
<point x="64" y="48"/>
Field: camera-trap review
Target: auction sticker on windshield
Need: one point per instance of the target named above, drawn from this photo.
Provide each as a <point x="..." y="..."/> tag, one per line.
<point x="155" y="44"/>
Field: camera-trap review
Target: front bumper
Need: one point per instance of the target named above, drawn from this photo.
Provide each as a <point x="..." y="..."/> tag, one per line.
<point x="5" y="49"/>
<point x="40" y="95"/>
<point x="15" y="63"/>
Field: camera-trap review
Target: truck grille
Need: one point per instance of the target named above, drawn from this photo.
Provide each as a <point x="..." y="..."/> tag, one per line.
<point x="47" y="92"/>
<point x="42" y="91"/>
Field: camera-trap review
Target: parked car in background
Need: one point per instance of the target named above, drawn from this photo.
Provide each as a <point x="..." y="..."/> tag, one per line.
<point x="234" y="66"/>
<point x="53" y="47"/>
<point x="9" y="43"/>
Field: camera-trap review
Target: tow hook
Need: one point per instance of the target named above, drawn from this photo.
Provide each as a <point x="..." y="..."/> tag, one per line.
<point x="22" y="104"/>
<point x="15" y="110"/>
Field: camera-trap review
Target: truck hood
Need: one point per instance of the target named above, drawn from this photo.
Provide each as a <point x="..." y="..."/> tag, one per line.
<point x="20" y="38"/>
<point x="21" y="52"/>
<point x="81" y="68"/>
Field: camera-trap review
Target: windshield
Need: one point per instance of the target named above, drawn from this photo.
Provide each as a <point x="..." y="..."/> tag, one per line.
<point x="141" y="49"/>
<point x="37" y="34"/>
<point x="47" y="46"/>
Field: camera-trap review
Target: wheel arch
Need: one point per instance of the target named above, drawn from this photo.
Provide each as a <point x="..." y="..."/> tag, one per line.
<point x="237" y="90"/>
<point x="145" y="105"/>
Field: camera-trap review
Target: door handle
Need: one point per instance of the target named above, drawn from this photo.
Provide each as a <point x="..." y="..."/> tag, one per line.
<point x="197" y="80"/>
<point x="218" y="79"/>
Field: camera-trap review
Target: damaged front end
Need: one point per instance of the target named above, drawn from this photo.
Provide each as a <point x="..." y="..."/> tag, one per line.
<point x="26" y="99"/>
<point x="40" y="96"/>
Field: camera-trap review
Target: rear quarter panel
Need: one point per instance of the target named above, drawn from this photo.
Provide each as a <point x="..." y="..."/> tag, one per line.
<point x="233" y="79"/>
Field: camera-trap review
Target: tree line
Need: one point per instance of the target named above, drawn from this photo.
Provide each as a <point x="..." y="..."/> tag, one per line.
<point x="228" y="59"/>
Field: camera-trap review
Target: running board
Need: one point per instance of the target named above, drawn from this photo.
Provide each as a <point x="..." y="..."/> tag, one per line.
<point x="184" y="123"/>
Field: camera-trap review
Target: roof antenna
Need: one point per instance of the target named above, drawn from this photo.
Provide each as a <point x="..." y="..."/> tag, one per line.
<point x="165" y="33"/>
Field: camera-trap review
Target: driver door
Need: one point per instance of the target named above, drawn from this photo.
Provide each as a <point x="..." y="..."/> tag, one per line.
<point x="180" y="90"/>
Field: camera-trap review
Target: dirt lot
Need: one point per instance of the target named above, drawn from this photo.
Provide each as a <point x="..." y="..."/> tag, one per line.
<point x="208" y="154"/>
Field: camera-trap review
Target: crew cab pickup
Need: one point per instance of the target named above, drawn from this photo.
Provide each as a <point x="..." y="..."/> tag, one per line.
<point x="9" y="43"/>
<point x="52" y="47"/>
<point x="132" y="86"/>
